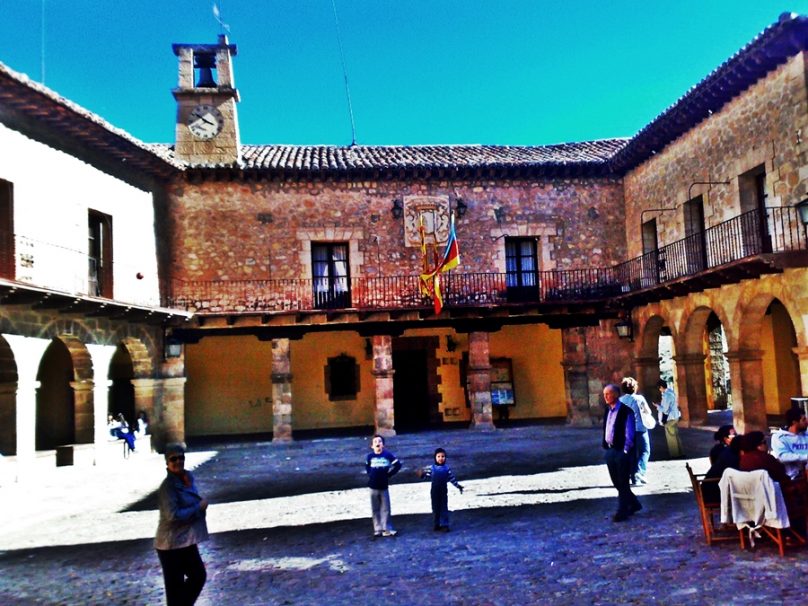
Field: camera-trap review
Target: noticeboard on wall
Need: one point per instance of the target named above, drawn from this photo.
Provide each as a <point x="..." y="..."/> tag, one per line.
<point x="502" y="382"/>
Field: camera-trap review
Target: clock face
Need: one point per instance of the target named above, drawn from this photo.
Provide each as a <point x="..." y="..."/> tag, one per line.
<point x="205" y="122"/>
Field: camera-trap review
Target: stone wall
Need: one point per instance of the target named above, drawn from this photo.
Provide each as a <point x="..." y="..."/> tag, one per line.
<point x="263" y="230"/>
<point x="767" y="125"/>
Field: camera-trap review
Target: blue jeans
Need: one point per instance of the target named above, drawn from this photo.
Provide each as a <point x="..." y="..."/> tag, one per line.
<point x="642" y="452"/>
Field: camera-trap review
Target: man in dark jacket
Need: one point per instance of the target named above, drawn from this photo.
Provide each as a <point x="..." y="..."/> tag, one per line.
<point x="618" y="441"/>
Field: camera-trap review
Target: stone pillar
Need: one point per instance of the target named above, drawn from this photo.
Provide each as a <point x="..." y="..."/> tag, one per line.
<point x="145" y="390"/>
<point x="83" y="411"/>
<point x="101" y="356"/>
<point x="802" y="358"/>
<point x="647" y="374"/>
<point x="748" y="401"/>
<point x="172" y="417"/>
<point x="281" y="391"/>
<point x="383" y="372"/>
<point x="692" y="394"/>
<point x="479" y="381"/>
<point x="8" y="418"/>
<point x="583" y="405"/>
<point x="28" y="353"/>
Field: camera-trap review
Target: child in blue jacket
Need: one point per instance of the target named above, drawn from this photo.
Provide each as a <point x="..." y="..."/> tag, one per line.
<point x="441" y="474"/>
<point x="381" y="465"/>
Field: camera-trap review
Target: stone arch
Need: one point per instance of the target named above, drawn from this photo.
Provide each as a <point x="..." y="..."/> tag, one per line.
<point x="8" y="400"/>
<point x="142" y="363"/>
<point x="691" y="370"/>
<point x="769" y="338"/>
<point x="647" y="360"/>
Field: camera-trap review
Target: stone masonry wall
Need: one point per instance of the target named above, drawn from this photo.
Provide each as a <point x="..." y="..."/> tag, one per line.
<point x="263" y="230"/>
<point x="767" y="124"/>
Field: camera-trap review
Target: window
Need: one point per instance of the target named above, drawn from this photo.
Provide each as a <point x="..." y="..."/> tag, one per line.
<point x="342" y="378"/>
<point x="652" y="265"/>
<point x="521" y="275"/>
<point x="754" y="226"/>
<point x="695" y="251"/>
<point x="7" y="264"/>
<point x="99" y="255"/>
<point x="331" y="282"/>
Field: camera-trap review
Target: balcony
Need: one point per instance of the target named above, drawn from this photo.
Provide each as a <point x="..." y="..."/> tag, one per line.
<point x="746" y="246"/>
<point x="49" y="276"/>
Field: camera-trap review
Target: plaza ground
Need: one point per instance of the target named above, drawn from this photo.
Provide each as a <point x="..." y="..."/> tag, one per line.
<point x="290" y="525"/>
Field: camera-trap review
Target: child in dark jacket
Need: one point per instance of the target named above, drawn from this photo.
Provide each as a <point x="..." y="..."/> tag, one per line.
<point x="380" y="465"/>
<point x="441" y="474"/>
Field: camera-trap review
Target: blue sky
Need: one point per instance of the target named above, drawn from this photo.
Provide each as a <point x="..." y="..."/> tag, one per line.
<point x="507" y="72"/>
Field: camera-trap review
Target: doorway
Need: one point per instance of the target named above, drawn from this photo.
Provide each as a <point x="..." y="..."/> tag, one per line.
<point x="411" y="399"/>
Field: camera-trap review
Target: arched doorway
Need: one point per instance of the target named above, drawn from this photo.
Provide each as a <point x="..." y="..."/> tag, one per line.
<point x="781" y="371"/>
<point x="122" y="392"/>
<point x="719" y="386"/>
<point x="55" y="404"/>
<point x="8" y="400"/>
<point x="704" y="365"/>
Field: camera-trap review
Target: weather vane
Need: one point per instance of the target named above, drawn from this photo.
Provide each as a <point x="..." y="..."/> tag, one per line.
<point x="217" y="14"/>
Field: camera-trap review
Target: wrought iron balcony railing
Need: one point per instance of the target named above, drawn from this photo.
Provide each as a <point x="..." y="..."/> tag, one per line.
<point x="746" y="235"/>
<point x="56" y="267"/>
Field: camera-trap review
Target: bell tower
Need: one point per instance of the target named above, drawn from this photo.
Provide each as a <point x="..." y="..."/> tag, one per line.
<point x="206" y="131"/>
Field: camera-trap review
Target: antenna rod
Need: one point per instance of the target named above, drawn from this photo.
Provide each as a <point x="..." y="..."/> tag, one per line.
<point x="42" y="47"/>
<point x="344" y="74"/>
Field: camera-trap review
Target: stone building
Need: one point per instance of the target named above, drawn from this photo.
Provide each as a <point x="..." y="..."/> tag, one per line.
<point x="81" y="325"/>
<point x="285" y="279"/>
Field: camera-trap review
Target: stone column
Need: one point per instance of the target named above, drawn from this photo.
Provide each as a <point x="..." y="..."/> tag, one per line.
<point x="479" y="381"/>
<point x="383" y="377"/>
<point x="692" y="394"/>
<point x="172" y="417"/>
<point x="83" y="411"/>
<point x="582" y="405"/>
<point x="802" y="358"/>
<point x="748" y="401"/>
<point x="8" y="418"/>
<point x="647" y="373"/>
<point x="281" y="391"/>
<point x="145" y="400"/>
<point x="28" y="353"/>
<point x="101" y="356"/>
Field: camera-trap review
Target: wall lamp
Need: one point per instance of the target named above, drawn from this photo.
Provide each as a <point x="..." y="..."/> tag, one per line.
<point x="398" y="209"/>
<point x="451" y="344"/>
<point x="802" y="209"/>
<point x="368" y="349"/>
<point x="460" y="208"/>
<point x="625" y="329"/>
<point x="172" y="348"/>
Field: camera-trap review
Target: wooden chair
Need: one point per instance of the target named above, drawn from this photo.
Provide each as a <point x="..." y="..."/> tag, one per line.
<point x="710" y="512"/>
<point x="746" y="488"/>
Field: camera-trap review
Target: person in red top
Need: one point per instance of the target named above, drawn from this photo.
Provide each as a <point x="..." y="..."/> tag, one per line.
<point x="755" y="455"/>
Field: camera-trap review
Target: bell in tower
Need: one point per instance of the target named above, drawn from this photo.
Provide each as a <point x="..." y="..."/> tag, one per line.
<point x="204" y="64"/>
<point x="206" y="129"/>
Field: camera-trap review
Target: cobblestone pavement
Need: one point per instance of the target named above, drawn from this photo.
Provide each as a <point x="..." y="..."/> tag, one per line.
<point x="290" y="525"/>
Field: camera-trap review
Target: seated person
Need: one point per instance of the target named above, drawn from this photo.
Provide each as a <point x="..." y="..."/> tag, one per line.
<point x="123" y="432"/>
<point x="142" y="424"/>
<point x="790" y="444"/>
<point x="729" y="457"/>
<point x="755" y="455"/>
<point x="112" y="425"/>
<point x="723" y="438"/>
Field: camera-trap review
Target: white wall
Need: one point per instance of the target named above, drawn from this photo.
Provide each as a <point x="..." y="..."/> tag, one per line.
<point x="52" y="194"/>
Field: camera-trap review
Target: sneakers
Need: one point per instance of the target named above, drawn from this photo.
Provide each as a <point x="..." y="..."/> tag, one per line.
<point x="376" y="535"/>
<point x="642" y="480"/>
<point x="389" y="533"/>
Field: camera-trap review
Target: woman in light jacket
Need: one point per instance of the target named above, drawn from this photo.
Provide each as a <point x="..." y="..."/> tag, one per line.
<point x="182" y="526"/>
